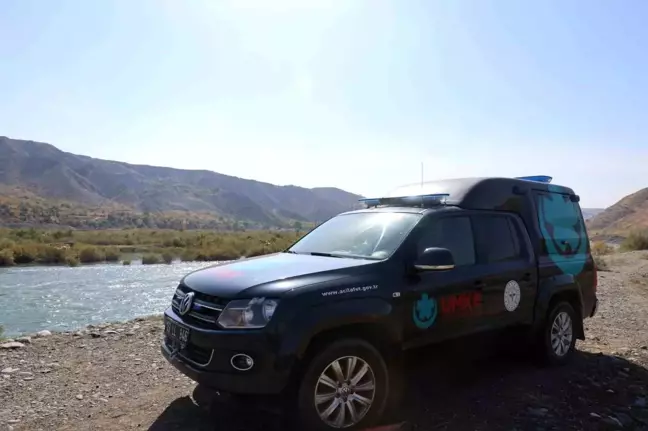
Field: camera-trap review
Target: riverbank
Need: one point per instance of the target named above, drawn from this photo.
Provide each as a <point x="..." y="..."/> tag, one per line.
<point x="112" y="376"/>
<point x="72" y="247"/>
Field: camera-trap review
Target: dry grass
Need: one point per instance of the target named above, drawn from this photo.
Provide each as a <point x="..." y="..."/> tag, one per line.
<point x="637" y="240"/>
<point x="600" y="248"/>
<point x="602" y="264"/>
<point x="40" y="246"/>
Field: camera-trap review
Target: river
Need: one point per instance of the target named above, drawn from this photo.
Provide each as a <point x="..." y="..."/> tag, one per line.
<point x="63" y="298"/>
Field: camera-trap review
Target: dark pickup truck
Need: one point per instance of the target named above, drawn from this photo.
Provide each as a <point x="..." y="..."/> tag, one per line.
<point x="324" y="322"/>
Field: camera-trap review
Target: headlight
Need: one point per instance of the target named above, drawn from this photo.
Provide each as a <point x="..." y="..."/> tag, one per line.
<point x="248" y="313"/>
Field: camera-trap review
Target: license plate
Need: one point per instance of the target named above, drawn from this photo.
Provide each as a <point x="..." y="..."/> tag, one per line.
<point x="178" y="335"/>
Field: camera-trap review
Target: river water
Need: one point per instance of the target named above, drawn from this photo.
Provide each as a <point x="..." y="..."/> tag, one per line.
<point x="64" y="298"/>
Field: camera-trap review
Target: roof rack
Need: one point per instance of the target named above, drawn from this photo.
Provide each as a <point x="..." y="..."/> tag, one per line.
<point x="538" y="178"/>
<point x="420" y="200"/>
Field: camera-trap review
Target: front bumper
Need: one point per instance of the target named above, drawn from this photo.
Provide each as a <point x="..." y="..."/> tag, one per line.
<point x="207" y="359"/>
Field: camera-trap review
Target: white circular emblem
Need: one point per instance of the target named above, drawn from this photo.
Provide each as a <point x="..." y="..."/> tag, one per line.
<point x="512" y="295"/>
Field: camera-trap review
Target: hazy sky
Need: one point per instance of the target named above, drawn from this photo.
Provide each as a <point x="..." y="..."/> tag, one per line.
<point x="352" y="94"/>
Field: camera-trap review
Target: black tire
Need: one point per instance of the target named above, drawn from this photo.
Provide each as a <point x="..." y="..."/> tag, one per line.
<point x="548" y="355"/>
<point x="309" y="418"/>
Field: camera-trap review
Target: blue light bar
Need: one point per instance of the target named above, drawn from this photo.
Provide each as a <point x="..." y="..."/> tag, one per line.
<point x="537" y="178"/>
<point x="417" y="200"/>
<point x="370" y="201"/>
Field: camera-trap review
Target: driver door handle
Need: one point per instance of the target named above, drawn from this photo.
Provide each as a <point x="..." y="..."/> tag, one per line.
<point x="480" y="285"/>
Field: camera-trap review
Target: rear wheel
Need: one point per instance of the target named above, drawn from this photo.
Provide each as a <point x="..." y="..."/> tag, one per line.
<point x="345" y="386"/>
<point x="559" y="337"/>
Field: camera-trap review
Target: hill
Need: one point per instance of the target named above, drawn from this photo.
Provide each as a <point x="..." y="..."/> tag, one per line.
<point x="41" y="184"/>
<point x="589" y="213"/>
<point x="628" y="214"/>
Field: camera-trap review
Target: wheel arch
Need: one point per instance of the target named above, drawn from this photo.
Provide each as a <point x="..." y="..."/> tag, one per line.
<point x="557" y="289"/>
<point x="370" y="319"/>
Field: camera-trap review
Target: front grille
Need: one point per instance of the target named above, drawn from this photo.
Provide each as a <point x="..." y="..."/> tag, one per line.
<point x="196" y="354"/>
<point x="205" y="308"/>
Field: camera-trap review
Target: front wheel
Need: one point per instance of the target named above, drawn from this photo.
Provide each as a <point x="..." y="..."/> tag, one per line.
<point x="558" y="338"/>
<point x="344" y="387"/>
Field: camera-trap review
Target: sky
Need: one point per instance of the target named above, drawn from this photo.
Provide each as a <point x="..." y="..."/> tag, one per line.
<point x="349" y="94"/>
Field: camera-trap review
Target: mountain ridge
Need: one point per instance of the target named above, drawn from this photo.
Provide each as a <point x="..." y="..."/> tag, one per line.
<point x="55" y="175"/>
<point x="629" y="213"/>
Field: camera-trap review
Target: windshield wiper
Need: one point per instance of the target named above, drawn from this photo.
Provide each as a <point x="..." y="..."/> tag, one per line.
<point x="318" y="253"/>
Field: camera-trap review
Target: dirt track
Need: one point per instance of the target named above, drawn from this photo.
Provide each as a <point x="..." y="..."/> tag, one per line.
<point x="114" y="378"/>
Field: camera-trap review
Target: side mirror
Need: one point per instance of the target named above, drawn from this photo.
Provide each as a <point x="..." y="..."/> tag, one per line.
<point x="435" y="259"/>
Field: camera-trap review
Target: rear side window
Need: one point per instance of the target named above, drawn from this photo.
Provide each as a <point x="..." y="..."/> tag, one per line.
<point x="497" y="238"/>
<point x="453" y="233"/>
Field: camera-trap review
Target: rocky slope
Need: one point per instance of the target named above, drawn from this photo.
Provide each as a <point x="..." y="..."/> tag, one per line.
<point x="629" y="213"/>
<point x="42" y="170"/>
<point x="113" y="377"/>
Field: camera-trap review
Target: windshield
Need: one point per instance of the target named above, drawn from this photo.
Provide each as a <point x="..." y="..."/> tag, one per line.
<point x="359" y="235"/>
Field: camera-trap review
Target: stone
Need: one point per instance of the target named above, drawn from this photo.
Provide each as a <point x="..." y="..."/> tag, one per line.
<point x="640" y="402"/>
<point x="110" y="332"/>
<point x="595" y="415"/>
<point x="611" y="420"/>
<point x="24" y="340"/>
<point x="540" y="412"/>
<point x="43" y="333"/>
<point x="625" y="420"/>
<point x="79" y="397"/>
<point x="12" y="345"/>
<point x="9" y="370"/>
<point x="95" y="334"/>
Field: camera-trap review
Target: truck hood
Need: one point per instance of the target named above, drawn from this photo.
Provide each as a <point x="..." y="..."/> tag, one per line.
<point x="270" y="274"/>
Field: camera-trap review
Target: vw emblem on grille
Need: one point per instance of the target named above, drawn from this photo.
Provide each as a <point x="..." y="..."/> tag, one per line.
<point x="186" y="303"/>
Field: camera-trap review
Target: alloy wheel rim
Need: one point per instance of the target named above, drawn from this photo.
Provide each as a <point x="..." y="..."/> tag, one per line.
<point x="561" y="334"/>
<point x="345" y="392"/>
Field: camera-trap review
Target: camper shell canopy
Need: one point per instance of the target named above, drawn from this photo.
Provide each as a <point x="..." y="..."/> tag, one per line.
<point x="481" y="194"/>
<point x="489" y="193"/>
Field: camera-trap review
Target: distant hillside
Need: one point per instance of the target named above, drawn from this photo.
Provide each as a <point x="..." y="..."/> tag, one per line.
<point x="589" y="213"/>
<point x="42" y="184"/>
<point x="629" y="213"/>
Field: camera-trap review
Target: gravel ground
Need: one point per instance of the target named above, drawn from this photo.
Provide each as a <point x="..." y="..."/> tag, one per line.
<point x="112" y="377"/>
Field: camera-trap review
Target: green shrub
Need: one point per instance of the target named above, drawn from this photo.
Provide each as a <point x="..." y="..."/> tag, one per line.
<point x="53" y="255"/>
<point x="637" y="240"/>
<point x="6" y="243"/>
<point x="188" y="256"/>
<point x="150" y="259"/>
<point x="1" y="333"/>
<point x="91" y="255"/>
<point x="73" y="261"/>
<point x="112" y="255"/>
<point x="24" y="255"/>
<point x="167" y="257"/>
<point x="126" y="262"/>
<point x="6" y="258"/>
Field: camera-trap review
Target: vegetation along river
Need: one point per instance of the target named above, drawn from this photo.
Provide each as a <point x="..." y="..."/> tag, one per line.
<point x="63" y="298"/>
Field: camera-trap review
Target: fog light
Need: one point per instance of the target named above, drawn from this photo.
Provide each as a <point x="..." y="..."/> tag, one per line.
<point x="242" y="362"/>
